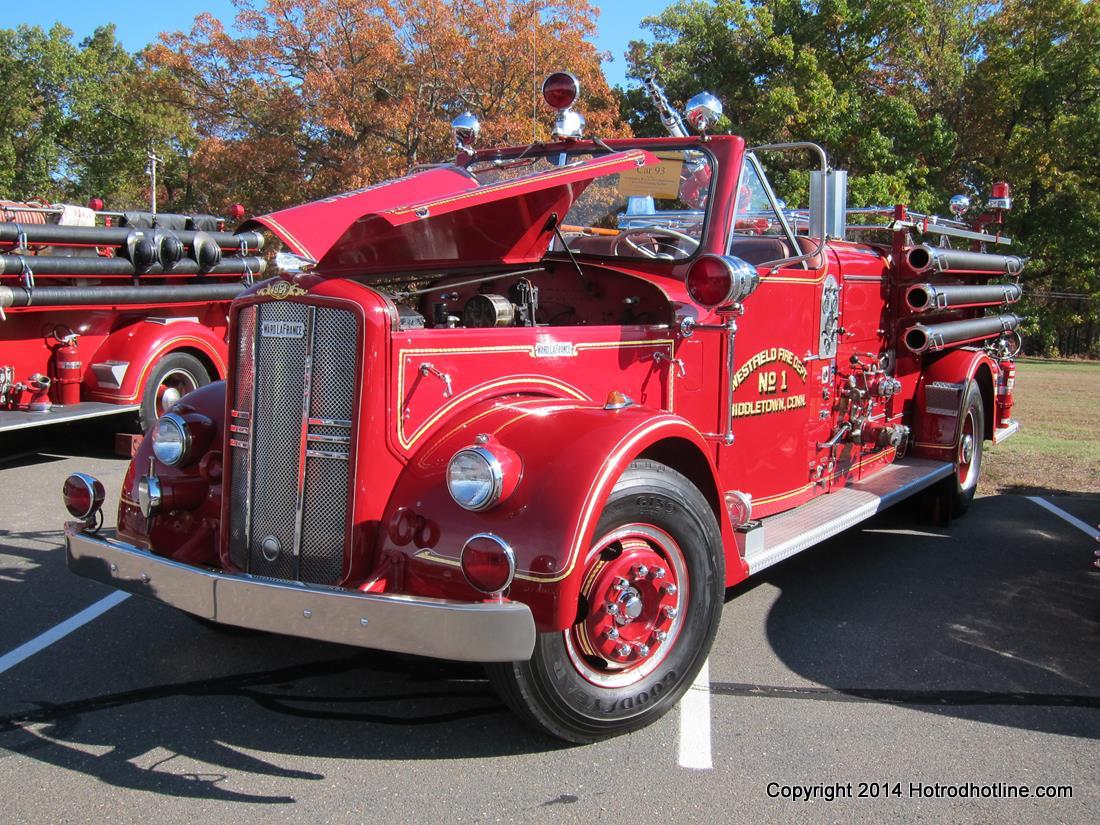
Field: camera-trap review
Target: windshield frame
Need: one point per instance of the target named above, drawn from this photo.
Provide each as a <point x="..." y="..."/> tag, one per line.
<point x="593" y="149"/>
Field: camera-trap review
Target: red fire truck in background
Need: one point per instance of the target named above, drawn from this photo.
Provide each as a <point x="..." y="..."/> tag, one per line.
<point x="100" y="319"/>
<point x="539" y="406"/>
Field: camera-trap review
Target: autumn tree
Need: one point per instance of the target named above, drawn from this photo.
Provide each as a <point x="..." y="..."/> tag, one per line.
<point x="312" y="97"/>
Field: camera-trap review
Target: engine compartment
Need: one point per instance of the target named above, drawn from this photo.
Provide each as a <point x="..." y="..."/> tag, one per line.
<point x="550" y="294"/>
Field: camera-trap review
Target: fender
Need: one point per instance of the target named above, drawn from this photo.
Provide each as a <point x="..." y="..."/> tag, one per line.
<point x="143" y="343"/>
<point x="940" y="396"/>
<point x="187" y="527"/>
<point x="571" y="455"/>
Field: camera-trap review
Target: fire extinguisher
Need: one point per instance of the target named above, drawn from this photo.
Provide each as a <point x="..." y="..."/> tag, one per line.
<point x="1004" y="390"/>
<point x="68" y="369"/>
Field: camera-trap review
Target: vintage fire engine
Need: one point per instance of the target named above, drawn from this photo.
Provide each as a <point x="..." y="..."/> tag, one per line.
<point x="538" y="407"/>
<point x="97" y="320"/>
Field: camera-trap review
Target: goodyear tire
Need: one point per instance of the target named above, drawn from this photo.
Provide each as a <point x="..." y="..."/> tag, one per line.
<point x="651" y="599"/>
<point x="175" y="375"/>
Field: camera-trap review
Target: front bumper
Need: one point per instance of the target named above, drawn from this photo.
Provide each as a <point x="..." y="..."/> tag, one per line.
<point x="461" y="631"/>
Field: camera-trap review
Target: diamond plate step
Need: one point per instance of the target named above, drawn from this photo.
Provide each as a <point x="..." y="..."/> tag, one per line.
<point x="792" y="532"/>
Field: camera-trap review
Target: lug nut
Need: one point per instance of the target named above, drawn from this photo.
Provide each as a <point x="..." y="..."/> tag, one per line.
<point x="613" y="608"/>
<point x="624" y="650"/>
<point x="612" y="633"/>
<point x="641" y="571"/>
<point x="660" y="636"/>
<point x="642" y="650"/>
<point x="658" y="572"/>
<point x="670" y="611"/>
<point x="621" y="583"/>
<point x="670" y="589"/>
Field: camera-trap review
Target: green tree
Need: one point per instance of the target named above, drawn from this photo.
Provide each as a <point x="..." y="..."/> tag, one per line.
<point x="35" y="70"/>
<point x="869" y="79"/>
<point x="1034" y="119"/>
<point x="80" y="119"/>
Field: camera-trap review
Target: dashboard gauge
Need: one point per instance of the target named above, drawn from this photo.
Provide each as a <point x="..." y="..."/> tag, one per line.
<point x="485" y="311"/>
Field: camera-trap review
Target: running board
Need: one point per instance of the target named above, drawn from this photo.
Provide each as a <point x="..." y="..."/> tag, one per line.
<point x="791" y="532"/>
<point x="20" y="419"/>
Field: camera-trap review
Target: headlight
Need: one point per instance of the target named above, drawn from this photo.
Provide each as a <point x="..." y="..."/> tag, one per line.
<point x="475" y="478"/>
<point x="171" y="440"/>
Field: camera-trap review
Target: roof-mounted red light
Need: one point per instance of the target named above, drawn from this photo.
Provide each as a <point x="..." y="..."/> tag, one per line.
<point x="1000" y="196"/>
<point x="718" y="280"/>
<point x="561" y="90"/>
<point x="236" y="211"/>
<point x="95" y="204"/>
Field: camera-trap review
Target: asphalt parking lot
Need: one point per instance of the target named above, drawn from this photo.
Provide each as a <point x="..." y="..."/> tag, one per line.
<point x="913" y="660"/>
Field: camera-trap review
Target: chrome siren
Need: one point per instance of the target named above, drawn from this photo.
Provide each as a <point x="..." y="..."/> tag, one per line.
<point x="703" y="111"/>
<point x="465" y="130"/>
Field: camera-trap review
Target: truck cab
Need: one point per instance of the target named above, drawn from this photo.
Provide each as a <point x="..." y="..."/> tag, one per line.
<point x="539" y="406"/>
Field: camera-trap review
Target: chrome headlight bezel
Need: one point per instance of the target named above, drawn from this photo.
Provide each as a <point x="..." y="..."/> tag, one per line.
<point x="160" y="448"/>
<point x="492" y="481"/>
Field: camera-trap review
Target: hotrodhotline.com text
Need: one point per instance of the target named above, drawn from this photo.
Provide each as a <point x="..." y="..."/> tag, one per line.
<point x="828" y="792"/>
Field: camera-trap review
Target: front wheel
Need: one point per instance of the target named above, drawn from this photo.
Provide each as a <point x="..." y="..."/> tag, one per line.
<point x="650" y="602"/>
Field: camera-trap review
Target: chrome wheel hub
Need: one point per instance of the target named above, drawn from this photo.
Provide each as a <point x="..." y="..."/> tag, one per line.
<point x="966" y="449"/>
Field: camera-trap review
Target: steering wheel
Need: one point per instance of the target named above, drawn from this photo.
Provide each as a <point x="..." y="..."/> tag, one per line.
<point x="624" y="237"/>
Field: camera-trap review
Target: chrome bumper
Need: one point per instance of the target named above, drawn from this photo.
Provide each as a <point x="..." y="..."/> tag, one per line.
<point x="461" y="631"/>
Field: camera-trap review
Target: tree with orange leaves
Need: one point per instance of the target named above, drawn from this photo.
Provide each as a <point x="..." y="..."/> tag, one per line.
<point x="312" y="97"/>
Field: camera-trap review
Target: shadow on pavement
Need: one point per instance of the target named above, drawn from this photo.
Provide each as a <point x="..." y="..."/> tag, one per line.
<point x="995" y="619"/>
<point x="288" y="697"/>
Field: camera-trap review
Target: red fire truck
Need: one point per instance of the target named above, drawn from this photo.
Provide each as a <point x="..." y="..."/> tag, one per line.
<point x="99" y="319"/>
<point x="539" y="406"/>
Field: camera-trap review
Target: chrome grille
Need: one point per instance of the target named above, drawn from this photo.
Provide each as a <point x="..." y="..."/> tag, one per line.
<point x="296" y="462"/>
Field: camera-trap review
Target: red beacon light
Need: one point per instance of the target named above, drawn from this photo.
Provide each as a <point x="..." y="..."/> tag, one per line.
<point x="236" y="211"/>
<point x="1000" y="196"/>
<point x="95" y="204"/>
<point x="721" y="280"/>
<point x="561" y="90"/>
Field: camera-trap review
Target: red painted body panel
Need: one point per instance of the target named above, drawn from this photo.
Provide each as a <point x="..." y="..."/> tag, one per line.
<point x="135" y="334"/>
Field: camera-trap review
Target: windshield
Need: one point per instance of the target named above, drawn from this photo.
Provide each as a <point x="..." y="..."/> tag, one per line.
<point x="656" y="211"/>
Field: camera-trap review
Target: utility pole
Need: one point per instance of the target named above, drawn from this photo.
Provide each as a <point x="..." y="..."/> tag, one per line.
<point x="153" y="161"/>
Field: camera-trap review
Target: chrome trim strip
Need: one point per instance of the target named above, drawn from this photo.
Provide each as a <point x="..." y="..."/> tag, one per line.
<point x="329" y="439"/>
<point x="251" y="441"/>
<point x="326" y="454"/>
<point x="307" y="391"/>
<point x="329" y="422"/>
<point x="489" y="631"/>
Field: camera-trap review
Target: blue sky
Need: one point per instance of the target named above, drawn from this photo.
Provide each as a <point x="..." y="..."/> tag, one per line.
<point x="138" y="21"/>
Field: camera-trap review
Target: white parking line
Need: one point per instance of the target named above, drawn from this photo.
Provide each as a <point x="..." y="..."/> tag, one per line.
<point x="695" y="723"/>
<point x="60" y="631"/>
<point x="1062" y="514"/>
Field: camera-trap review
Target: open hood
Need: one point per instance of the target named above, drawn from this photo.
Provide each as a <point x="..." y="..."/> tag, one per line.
<point x="439" y="218"/>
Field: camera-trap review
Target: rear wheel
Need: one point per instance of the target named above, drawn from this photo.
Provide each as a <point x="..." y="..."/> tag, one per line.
<point x="650" y="602"/>
<point x="173" y="377"/>
<point x="953" y="495"/>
